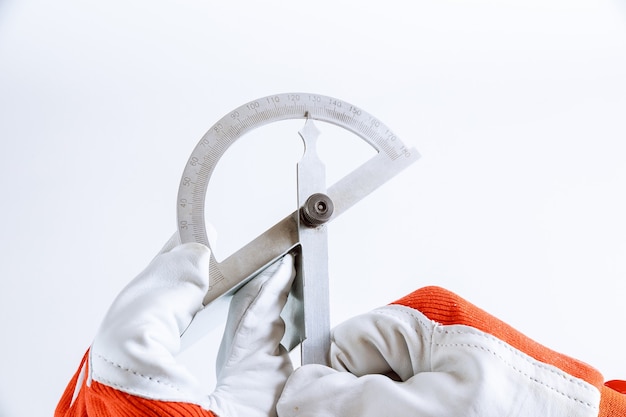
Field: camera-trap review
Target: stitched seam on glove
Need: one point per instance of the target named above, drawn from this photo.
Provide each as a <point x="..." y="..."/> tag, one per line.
<point x="133" y="372"/>
<point x="521" y="372"/>
<point x="415" y="315"/>
<point x="553" y="370"/>
<point x="448" y="309"/>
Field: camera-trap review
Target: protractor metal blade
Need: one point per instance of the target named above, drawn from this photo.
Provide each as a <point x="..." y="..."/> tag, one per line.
<point x="316" y="209"/>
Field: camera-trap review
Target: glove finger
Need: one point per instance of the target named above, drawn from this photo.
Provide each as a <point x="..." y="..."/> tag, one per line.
<point x="252" y="366"/>
<point x="390" y="341"/>
<point x="136" y="345"/>
<point x="254" y="315"/>
<point x="275" y="279"/>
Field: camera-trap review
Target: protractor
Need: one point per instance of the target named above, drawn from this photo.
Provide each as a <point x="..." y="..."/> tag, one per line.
<point x="304" y="230"/>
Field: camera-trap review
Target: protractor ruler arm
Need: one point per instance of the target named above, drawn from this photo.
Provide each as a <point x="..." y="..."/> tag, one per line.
<point x="316" y="208"/>
<point x="303" y="231"/>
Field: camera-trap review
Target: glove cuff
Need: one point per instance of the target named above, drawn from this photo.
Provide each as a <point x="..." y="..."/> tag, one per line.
<point x="612" y="402"/>
<point x="447" y="308"/>
<point x="84" y="398"/>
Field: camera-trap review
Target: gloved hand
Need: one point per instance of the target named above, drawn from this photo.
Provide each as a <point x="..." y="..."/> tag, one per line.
<point x="433" y="354"/>
<point x="131" y="367"/>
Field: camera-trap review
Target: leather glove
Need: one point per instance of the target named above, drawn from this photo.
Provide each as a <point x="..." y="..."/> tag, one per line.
<point x="131" y="367"/>
<point x="433" y="354"/>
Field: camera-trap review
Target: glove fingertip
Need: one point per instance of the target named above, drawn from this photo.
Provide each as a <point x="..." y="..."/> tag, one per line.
<point x="282" y="276"/>
<point x="197" y="258"/>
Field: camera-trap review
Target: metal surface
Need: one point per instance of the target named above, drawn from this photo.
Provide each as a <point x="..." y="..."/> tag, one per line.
<point x="310" y="293"/>
<point x="312" y="273"/>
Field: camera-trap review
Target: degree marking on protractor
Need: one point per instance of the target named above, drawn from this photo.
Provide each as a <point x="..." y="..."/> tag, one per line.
<point x="252" y="115"/>
<point x="353" y="122"/>
<point x="382" y="144"/>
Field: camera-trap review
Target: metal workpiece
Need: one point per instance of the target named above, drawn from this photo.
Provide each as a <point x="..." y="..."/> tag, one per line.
<point x="304" y="231"/>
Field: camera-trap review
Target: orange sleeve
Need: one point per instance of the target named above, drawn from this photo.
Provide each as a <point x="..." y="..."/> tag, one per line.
<point x="99" y="400"/>
<point x="447" y="308"/>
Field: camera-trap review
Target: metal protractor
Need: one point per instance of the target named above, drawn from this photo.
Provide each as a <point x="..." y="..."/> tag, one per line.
<point x="304" y="230"/>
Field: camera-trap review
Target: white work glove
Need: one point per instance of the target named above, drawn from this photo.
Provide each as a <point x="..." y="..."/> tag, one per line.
<point x="433" y="354"/>
<point x="132" y="369"/>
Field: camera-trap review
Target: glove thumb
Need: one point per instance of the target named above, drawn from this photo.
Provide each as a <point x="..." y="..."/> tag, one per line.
<point x="135" y="347"/>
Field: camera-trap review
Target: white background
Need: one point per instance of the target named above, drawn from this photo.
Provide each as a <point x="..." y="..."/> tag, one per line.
<point x="518" y="108"/>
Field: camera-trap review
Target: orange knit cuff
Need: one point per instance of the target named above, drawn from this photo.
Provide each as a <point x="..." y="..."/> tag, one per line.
<point x="99" y="400"/>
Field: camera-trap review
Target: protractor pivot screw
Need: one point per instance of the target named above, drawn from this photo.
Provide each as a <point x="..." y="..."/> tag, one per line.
<point x="317" y="210"/>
